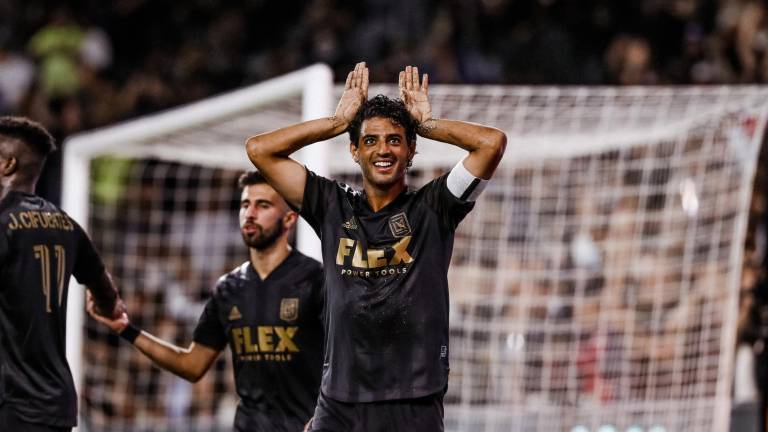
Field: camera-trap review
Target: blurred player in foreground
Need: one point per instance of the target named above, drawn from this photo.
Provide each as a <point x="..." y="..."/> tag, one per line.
<point x="269" y="311"/>
<point x="386" y="251"/>
<point x="40" y="248"/>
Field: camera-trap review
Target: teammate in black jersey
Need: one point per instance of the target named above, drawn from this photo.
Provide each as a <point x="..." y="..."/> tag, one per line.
<point x="40" y="248"/>
<point x="269" y="312"/>
<point x="386" y="251"/>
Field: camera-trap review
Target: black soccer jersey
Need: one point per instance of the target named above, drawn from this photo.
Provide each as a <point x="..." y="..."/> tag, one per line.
<point x="275" y="333"/>
<point x="40" y="248"/>
<point x="387" y="288"/>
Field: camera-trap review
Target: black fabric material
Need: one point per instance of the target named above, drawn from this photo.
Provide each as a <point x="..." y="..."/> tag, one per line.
<point x="274" y="329"/>
<point x="130" y="333"/>
<point x="10" y="422"/>
<point x="42" y="248"/>
<point x="386" y="288"/>
<point x="424" y="414"/>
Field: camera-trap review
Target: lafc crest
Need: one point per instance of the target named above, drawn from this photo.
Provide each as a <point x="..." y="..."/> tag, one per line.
<point x="399" y="226"/>
<point x="289" y="309"/>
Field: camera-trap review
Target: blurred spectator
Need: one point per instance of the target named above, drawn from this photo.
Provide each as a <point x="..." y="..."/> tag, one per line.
<point x="57" y="47"/>
<point x="16" y="75"/>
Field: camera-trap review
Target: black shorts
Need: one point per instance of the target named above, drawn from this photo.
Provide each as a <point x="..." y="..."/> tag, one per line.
<point x="9" y="421"/>
<point x="424" y="414"/>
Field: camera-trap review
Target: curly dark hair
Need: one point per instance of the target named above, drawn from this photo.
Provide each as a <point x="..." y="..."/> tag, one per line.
<point x="382" y="106"/>
<point x="31" y="133"/>
<point x="249" y="178"/>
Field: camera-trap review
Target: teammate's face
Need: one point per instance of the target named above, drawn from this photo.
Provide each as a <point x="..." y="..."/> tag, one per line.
<point x="264" y="216"/>
<point x="383" y="152"/>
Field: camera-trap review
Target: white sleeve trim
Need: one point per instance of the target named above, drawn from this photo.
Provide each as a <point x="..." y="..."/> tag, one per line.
<point x="463" y="185"/>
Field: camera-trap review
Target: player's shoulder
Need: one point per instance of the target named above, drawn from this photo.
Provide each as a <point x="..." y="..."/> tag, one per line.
<point x="232" y="279"/>
<point x="305" y="262"/>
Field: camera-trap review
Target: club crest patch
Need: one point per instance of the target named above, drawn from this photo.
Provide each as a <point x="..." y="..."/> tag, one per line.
<point x="289" y="309"/>
<point x="399" y="225"/>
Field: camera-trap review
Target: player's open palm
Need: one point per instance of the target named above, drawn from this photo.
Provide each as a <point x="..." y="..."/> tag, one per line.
<point x="355" y="93"/>
<point x="115" y="324"/>
<point x="415" y="95"/>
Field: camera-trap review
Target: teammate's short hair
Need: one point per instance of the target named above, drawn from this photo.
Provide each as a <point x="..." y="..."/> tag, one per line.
<point x="382" y="106"/>
<point x="31" y="133"/>
<point x="249" y="178"/>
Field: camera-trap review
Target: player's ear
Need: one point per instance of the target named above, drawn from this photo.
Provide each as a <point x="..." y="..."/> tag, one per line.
<point x="289" y="219"/>
<point x="355" y="152"/>
<point x="8" y="166"/>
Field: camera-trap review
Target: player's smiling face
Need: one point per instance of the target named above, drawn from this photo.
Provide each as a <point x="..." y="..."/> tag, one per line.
<point x="264" y="216"/>
<point x="382" y="152"/>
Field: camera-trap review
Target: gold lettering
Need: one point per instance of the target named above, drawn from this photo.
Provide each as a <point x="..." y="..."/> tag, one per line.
<point x="286" y="339"/>
<point x="14" y="223"/>
<point x="237" y="339"/>
<point x="265" y="339"/>
<point x="376" y="258"/>
<point x="67" y="223"/>
<point x="345" y="247"/>
<point x="249" y="345"/>
<point x="357" y="258"/>
<point x="401" y="254"/>
<point x="24" y="218"/>
<point x="42" y="219"/>
<point x="35" y="218"/>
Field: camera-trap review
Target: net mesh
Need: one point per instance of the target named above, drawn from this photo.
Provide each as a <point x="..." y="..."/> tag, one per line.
<point x="594" y="283"/>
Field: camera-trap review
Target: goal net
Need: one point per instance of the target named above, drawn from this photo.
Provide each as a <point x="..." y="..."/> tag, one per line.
<point x="593" y="287"/>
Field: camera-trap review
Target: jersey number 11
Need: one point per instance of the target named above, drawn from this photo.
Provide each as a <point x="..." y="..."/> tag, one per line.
<point x="43" y="253"/>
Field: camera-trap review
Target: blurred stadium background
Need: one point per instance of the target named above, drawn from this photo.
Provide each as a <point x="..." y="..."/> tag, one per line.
<point x="654" y="215"/>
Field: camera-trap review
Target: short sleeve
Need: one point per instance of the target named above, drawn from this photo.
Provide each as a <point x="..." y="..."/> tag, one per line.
<point x="209" y="331"/>
<point x="88" y="264"/>
<point x="314" y="204"/>
<point x="450" y="209"/>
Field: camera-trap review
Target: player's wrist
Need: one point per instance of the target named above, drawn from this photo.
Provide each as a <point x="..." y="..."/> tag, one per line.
<point x="426" y="127"/>
<point x="130" y="333"/>
<point x="338" y="123"/>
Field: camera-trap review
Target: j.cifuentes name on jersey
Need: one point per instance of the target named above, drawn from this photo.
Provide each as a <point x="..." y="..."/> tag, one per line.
<point x="264" y="343"/>
<point x="357" y="261"/>
<point x="32" y="219"/>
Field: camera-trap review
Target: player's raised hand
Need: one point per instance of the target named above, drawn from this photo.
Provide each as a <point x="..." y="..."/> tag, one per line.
<point x="116" y="324"/>
<point x="355" y="93"/>
<point x="415" y="95"/>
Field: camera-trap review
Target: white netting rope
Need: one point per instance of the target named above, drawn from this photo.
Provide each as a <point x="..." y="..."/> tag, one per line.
<point x="594" y="283"/>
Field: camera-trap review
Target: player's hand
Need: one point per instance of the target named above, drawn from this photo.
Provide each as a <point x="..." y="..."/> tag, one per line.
<point x="116" y="323"/>
<point x="415" y="95"/>
<point x="355" y="94"/>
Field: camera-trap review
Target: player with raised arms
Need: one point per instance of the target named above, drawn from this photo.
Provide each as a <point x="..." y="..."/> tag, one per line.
<point x="268" y="310"/>
<point x="386" y="250"/>
<point x="41" y="247"/>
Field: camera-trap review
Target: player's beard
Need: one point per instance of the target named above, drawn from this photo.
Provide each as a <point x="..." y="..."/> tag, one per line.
<point x="263" y="239"/>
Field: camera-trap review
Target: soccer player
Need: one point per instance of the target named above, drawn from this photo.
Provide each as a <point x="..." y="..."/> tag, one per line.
<point x="40" y="248"/>
<point x="268" y="310"/>
<point x="386" y="251"/>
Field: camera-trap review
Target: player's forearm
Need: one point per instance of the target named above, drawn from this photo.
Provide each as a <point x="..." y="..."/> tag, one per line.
<point x="485" y="144"/>
<point x="168" y="356"/>
<point x="281" y="143"/>
<point x="105" y="294"/>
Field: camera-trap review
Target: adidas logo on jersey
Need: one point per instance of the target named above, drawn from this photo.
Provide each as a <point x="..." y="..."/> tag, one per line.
<point x="350" y="224"/>
<point x="235" y="314"/>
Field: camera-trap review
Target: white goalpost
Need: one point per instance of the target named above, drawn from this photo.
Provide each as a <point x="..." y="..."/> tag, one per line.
<point x="594" y="285"/>
<point x="185" y="135"/>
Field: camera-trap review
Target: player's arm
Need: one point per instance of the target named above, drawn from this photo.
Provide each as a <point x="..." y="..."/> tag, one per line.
<point x="189" y="363"/>
<point x="104" y="294"/>
<point x="485" y="144"/>
<point x="270" y="152"/>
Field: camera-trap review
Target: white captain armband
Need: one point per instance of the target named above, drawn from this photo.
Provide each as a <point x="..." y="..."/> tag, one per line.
<point x="463" y="185"/>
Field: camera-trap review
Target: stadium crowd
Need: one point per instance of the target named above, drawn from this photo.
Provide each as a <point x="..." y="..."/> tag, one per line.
<point x="82" y="65"/>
